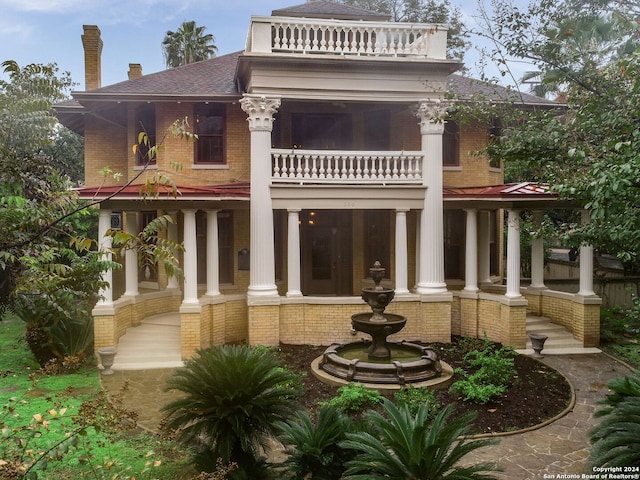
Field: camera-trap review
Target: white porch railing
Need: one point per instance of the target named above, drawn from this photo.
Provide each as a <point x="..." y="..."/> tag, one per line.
<point x="340" y="37"/>
<point x="346" y="167"/>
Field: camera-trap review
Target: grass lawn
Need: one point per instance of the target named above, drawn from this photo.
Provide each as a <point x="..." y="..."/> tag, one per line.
<point x="41" y="414"/>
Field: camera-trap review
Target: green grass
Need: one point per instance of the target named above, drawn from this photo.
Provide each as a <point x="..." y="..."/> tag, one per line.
<point x="26" y="396"/>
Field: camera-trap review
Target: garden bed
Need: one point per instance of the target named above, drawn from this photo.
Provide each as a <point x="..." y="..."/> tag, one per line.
<point x="537" y="392"/>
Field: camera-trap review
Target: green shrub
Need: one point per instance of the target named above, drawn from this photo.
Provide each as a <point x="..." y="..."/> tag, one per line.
<point x="494" y="372"/>
<point x="354" y="397"/>
<point x="616" y="439"/>
<point x="55" y="299"/>
<point x="414" y="397"/>
<point x="402" y="446"/>
<point x="314" y="450"/>
<point x="234" y="396"/>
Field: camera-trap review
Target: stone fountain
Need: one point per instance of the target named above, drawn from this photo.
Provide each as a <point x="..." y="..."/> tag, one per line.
<point x="379" y="361"/>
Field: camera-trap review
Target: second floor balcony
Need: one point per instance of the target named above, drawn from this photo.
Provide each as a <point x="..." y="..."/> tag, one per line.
<point x="337" y="167"/>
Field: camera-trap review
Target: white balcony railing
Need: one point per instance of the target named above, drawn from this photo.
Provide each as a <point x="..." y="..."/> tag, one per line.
<point x="346" y="167"/>
<point x="340" y="37"/>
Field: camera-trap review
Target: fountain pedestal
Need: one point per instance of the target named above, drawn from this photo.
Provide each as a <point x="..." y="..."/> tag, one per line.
<point x="377" y="324"/>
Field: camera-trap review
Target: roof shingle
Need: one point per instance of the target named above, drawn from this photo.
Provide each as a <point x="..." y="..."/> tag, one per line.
<point x="327" y="9"/>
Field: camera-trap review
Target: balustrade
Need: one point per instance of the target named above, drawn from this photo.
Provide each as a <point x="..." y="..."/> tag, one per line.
<point x="335" y="37"/>
<point x="350" y="167"/>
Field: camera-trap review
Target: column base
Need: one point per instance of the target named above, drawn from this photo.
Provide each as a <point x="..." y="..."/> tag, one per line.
<point x="263" y="291"/>
<point x="428" y="289"/>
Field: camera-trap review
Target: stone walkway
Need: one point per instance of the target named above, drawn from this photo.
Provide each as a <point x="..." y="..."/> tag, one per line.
<point x="561" y="447"/>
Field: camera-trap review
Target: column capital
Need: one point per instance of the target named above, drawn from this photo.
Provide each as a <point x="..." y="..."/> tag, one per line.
<point x="260" y="110"/>
<point x="432" y="114"/>
<point x="513" y="219"/>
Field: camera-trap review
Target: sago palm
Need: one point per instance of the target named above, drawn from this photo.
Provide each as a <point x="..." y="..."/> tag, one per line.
<point x="403" y="446"/>
<point x="616" y="440"/>
<point x="314" y="450"/>
<point x="233" y="398"/>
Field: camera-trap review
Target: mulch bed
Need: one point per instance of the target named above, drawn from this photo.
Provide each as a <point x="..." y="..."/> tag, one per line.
<point x="537" y="393"/>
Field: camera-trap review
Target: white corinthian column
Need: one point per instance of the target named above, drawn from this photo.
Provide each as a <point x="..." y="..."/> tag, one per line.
<point x="431" y="267"/>
<point x="260" y="111"/>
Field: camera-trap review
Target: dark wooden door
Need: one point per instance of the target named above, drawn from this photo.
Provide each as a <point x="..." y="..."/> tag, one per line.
<point x="326" y="252"/>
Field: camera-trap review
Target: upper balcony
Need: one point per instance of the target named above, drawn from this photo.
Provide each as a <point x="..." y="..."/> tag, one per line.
<point x="346" y="168"/>
<point x="292" y="35"/>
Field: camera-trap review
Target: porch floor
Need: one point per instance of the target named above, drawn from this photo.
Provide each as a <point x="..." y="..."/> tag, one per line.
<point x="155" y="343"/>
<point x="560" y="341"/>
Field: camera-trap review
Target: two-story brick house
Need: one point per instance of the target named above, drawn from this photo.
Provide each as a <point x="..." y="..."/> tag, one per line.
<point x="321" y="149"/>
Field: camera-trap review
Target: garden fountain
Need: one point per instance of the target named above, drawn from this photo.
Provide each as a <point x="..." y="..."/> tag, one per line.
<point x="380" y="361"/>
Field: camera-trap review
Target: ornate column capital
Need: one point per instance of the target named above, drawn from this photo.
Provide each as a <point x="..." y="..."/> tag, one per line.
<point x="513" y="220"/>
<point x="432" y="115"/>
<point x="260" y="111"/>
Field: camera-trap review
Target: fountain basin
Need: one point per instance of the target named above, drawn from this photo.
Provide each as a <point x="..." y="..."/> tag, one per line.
<point x="414" y="364"/>
<point x="379" y="331"/>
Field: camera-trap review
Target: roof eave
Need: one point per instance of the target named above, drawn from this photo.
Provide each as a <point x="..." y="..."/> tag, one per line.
<point x="84" y="97"/>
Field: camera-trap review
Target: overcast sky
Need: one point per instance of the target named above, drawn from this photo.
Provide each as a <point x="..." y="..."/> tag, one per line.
<point x="48" y="31"/>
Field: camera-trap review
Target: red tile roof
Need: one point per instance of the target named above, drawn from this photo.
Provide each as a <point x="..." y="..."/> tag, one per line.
<point x="495" y="192"/>
<point x="237" y="191"/>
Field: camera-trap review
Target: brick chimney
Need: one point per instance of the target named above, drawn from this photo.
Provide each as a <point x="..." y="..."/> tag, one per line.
<point x="135" y="71"/>
<point x="92" y="44"/>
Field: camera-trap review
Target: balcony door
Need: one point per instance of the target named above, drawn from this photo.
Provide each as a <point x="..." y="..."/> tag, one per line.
<point x="326" y="237"/>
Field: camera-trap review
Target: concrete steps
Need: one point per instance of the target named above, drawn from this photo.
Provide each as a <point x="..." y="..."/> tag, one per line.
<point x="155" y="343"/>
<point x="559" y="342"/>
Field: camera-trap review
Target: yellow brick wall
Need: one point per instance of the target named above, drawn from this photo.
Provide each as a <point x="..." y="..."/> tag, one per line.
<point x="104" y="331"/>
<point x="436" y="321"/>
<point x="469" y="317"/>
<point x="456" y="322"/>
<point x="535" y="303"/>
<point x="236" y="321"/>
<point x="218" y="323"/>
<point x="264" y="325"/>
<point x="513" y="322"/>
<point x="190" y="334"/>
<point x="489" y="320"/>
<point x="105" y="145"/>
<point x="590" y="315"/>
<point x="109" y="145"/>
<point x="474" y="170"/>
<point x="324" y="324"/>
<point x="560" y="311"/>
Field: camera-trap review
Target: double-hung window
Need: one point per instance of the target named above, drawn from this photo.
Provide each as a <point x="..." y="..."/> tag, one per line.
<point x="210" y="126"/>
